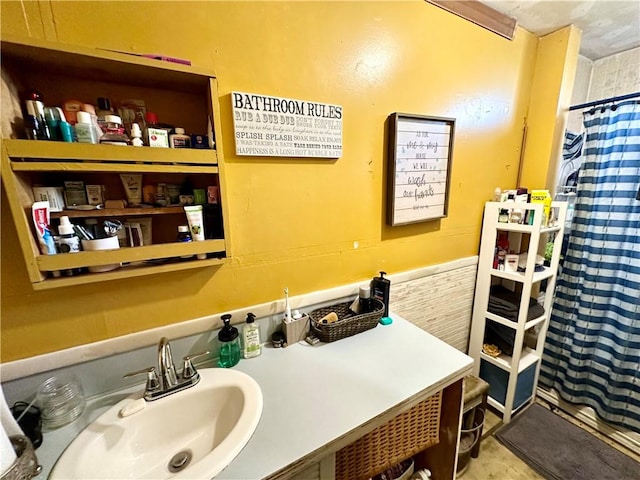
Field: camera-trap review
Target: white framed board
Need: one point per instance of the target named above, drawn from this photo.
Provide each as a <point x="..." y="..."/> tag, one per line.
<point x="418" y="168"/>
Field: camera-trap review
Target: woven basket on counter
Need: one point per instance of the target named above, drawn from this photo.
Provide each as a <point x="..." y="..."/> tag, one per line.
<point x="348" y="323"/>
<point x="402" y="437"/>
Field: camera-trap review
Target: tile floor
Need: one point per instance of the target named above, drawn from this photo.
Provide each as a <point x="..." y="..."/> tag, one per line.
<point x="496" y="462"/>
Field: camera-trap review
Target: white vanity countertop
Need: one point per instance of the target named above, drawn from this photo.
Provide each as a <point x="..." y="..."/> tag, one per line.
<point x="314" y="395"/>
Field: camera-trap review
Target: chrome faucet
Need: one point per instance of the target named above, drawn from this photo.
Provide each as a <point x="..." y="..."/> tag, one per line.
<point x="165" y="381"/>
<point x="166" y="367"/>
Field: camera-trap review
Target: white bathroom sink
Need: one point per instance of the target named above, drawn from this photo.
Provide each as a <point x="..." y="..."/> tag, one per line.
<point x="209" y="423"/>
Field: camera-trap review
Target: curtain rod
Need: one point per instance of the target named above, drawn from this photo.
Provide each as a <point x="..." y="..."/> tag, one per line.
<point x="606" y="100"/>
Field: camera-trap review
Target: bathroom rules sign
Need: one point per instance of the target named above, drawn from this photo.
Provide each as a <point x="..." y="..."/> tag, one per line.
<point x="266" y="126"/>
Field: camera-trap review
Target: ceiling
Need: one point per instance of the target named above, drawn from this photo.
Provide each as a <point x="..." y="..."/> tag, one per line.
<point x="608" y="26"/>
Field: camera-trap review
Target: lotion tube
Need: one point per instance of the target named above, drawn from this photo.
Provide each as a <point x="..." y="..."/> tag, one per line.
<point x="196" y="225"/>
<point x="132" y="183"/>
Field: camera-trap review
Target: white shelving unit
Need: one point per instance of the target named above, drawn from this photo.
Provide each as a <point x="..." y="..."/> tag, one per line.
<point x="513" y="378"/>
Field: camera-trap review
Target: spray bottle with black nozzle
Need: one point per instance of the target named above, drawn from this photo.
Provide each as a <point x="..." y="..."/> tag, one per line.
<point x="380" y="288"/>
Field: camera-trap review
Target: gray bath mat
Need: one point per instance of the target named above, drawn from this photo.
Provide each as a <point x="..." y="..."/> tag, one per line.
<point x="560" y="450"/>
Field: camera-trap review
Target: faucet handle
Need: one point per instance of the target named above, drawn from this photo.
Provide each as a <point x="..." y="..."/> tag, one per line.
<point x="152" y="378"/>
<point x="188" y="370"/>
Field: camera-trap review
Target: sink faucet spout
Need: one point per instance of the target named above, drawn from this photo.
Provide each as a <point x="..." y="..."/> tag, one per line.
<point x="166" y="367"/>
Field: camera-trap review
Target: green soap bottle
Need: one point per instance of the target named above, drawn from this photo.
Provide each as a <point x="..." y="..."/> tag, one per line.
<point x="229" y="344"/>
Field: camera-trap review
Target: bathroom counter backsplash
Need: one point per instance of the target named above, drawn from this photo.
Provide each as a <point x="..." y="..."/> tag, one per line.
<point x="103" y="375"/>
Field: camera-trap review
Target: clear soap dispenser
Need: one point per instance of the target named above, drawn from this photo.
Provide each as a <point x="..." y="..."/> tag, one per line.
<point x="251" y="338"/>
<point x="229" y="344"/>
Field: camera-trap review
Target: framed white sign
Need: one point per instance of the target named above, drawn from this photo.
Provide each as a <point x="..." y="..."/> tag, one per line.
<point x="419" y="168"/>
<point x="266" y="126"/>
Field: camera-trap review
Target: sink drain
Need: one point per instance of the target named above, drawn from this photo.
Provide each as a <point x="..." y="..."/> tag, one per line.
<point x="180" y="461"/>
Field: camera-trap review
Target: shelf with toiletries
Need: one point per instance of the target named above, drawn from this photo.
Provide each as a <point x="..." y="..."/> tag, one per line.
<point x="517" y="268"/>
<point x="34" y="170"/>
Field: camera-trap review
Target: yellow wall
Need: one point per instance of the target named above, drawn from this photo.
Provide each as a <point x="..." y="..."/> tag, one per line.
<point x="556" y="63"/>
<point x="293" y="222"/>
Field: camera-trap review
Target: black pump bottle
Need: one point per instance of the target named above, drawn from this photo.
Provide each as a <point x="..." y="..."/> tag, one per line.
<point x="380" y="288"/>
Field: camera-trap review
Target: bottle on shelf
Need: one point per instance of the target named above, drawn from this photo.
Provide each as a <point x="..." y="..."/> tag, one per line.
<point x="179" y="139"/>
<point x="114" y="131"/>
<point x="154" y="134"/>
<point x="67" y="241"/>
<point x="104" y="109"/>
<point x="85" y="130"/>
<point x="90" y="109"/>
<point x="52" y="117"/>
<point x="184" y="237"/>
<point x="136" y="135"/>
<point x="70" y="109"/>
<point x="35" y="123"/>
<point x="502" y="246"/>
<point x="251" y="346"/>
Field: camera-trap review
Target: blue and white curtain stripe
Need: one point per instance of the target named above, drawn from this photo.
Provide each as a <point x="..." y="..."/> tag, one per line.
<point x="592" y="350"/>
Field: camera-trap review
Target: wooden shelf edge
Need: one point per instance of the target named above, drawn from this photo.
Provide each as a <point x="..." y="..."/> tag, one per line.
<point x="49" y="150"/>
<point x="119" y="212"/>
<point x="23" y="43"/>
<point x="126" y="272"/>
<point x="64" y="261"/>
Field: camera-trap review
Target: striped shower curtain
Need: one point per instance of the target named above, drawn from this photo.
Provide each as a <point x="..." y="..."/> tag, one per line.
<point x="592" y="350"/>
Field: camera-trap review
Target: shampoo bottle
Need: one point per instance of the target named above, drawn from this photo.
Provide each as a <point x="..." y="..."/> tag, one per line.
<point x="380" y="288"/>
<point x="251" y="338"/>
<point x="229" y="344"/>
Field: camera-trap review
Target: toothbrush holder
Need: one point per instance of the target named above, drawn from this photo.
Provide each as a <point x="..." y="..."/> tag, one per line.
<point x="296" y="330"/>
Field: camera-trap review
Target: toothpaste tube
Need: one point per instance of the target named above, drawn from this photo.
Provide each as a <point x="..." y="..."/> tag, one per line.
<point x="40" y="212"/>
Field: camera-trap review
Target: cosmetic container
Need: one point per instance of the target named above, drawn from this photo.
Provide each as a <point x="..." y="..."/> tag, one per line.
<point x="114" y="131"/>
<point x="184" y="237"/>
<point x="85" y="131"/>
<point x="179" y="139"/>
<point x="154" y="134"/>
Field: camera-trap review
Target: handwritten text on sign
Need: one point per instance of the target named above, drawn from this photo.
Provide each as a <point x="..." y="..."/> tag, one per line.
<point x="422" y="150"/>
<point x="284" y="127"/>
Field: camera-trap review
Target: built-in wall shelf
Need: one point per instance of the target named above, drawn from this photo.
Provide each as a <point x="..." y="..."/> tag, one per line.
<point x="183" y="96"/>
